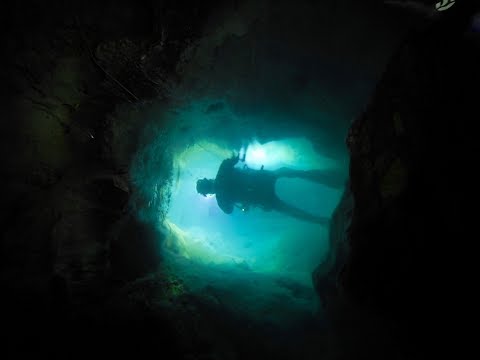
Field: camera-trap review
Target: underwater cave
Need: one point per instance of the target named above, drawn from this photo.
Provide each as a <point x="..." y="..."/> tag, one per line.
<point x="256" y="256"/>
<point x="233" y="179"/>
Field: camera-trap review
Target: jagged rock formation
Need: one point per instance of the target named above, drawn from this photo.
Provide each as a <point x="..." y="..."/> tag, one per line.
<point x="411" y="154"/>
<point x="325" y="276"/>
<point x="70" y="74"/>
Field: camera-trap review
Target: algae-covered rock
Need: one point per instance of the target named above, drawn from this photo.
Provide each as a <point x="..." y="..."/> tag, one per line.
<point x="394" y="181"/>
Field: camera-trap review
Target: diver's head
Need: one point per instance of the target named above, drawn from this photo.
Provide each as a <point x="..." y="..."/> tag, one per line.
<point x="205" y="186"/>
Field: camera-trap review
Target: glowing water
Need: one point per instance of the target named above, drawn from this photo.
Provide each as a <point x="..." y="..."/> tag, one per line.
<point x="258" y="240"/>
<point x="296" y="153"/>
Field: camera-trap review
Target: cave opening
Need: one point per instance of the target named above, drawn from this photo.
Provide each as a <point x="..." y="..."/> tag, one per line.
<point x="255" y="260"/>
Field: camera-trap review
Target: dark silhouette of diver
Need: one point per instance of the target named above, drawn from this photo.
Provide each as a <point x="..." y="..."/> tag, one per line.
<point x="246" y="187"/>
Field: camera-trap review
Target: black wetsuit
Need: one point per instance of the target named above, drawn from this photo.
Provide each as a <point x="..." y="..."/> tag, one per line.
<point x="244" y="186"/>
<point x="256" y="188"/>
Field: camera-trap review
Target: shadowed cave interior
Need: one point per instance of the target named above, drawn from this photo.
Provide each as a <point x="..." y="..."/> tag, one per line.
<point x="114" y="110"/>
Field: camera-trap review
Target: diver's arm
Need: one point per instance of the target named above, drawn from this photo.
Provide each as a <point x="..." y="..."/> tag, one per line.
<point x="226" y="206"/>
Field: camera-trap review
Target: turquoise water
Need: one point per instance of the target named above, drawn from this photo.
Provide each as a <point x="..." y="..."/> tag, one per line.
<point x="262" y="241"/>
<point x="255" y="263"/>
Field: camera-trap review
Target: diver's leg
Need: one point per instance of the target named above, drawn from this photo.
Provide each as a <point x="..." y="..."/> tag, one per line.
<point x="297" y="213"/>
<point x="330" y="178"/>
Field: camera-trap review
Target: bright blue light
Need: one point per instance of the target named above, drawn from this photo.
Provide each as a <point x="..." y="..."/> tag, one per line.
<point x="264" y="241"/>
<point x="296" y="153"/>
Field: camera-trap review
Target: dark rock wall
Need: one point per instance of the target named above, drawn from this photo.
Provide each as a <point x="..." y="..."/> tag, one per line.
<point x="325" y="275"/>
<point x="71" y="73"/>
<point x="411" y="178"/>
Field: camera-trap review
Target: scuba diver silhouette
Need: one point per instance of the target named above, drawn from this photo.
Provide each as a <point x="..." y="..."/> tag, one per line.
<point x="247" y="187"/>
